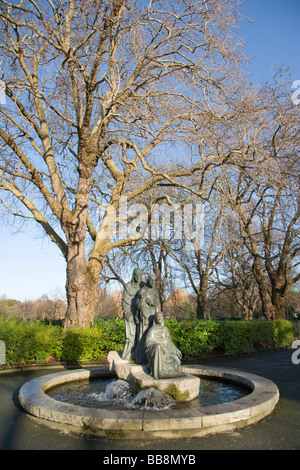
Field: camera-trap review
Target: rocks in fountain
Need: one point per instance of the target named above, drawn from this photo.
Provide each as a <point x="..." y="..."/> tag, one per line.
<point x="119" y="393"/>
<point x="118" y="390"/>
<point x="183" y="388"/>
<point x="151" y="398"/>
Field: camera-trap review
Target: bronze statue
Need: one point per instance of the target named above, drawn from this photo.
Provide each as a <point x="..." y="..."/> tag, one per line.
<point x="163" y="356"/>
<point x="148" y="303"/>
<point x="147" y="339"/>
<point x="129" y="299"/>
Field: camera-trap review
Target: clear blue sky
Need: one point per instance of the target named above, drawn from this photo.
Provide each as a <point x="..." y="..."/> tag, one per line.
<point x="31" y="267"/>
<point x="273" y="37"/>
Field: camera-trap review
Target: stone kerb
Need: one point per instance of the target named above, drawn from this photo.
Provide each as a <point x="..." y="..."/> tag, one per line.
<point x="184" y="388"/>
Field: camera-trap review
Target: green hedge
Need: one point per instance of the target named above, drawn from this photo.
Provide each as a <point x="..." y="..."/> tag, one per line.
<point x="250" y="335"/>
<point x="38" y="342"/>
<point x="193" y="337"/>
<point x="296" y="329"/>
<point x="92" y="344"/>
<point x="27" y="342"/>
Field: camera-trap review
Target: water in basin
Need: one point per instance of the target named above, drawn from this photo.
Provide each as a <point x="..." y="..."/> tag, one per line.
<point x="117" y="394"/>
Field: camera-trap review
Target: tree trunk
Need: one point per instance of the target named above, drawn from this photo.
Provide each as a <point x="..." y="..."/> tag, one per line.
<point x="278" y="301"/>
<point x="201" y="304"/>
<point x="246" y="298"/>
<point x="80" y="288"/>
<point x="82" y="280"/>
<point x="267" y="307"/>
<point x="279" y="289"/>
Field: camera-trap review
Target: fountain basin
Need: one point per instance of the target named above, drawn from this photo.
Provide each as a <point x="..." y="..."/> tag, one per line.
<point x="145" y="424"/>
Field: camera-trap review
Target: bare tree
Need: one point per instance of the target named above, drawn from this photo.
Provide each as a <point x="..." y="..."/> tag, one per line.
<point x="262" y="186"/>
<point x="235" y="271"/>
<point x="96" y="90"/>
<point x="200" y="257"/>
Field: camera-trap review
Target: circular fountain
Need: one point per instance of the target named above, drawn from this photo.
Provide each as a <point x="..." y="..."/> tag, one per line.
<point x="178" y="422"/>
<point x="163" y="396"/>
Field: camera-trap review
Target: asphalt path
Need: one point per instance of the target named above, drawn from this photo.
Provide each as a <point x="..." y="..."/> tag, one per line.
<point x="279" y="431"/>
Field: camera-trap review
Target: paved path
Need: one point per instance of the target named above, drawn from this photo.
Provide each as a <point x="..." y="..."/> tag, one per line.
<point x="281" y="430"/>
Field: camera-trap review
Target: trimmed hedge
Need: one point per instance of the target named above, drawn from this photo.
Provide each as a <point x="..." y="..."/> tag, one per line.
<point x="92" y="344"/>
<point x="38" y="342"/>
<point x="250" y="335"/>
<point x="296" y="329"/>
<point x="27" y="342"/>
<point x="193" y="337"/>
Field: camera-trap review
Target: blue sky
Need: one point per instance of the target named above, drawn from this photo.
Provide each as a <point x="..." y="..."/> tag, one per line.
<point x="31" y="266"/>
<point x="273" y="37"/>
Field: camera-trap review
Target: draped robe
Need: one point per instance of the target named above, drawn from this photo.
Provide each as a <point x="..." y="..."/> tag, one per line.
<point x="147" y="304"/>
<point x="162" y="354"/>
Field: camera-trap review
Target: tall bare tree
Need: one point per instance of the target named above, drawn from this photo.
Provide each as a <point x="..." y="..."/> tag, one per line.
<point x="199" y="258"/>
<point x="262" y="186"/>
<point x="96" y="91"/>
<point x="235" y="272"/>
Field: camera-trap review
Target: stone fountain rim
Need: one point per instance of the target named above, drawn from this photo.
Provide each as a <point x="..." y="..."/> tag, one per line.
<point x="145" y="424"/>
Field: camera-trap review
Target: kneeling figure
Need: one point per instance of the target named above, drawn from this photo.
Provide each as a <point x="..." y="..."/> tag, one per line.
<point x="163" y="356"/>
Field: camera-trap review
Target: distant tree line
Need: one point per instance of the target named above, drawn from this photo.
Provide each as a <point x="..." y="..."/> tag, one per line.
<point x="180" y="305"/>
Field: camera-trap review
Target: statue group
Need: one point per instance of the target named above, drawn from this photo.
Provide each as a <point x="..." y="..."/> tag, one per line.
<point x="147" y="339"/>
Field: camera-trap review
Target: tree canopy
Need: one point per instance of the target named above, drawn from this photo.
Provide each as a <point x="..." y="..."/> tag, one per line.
<point x="114" y="99"/>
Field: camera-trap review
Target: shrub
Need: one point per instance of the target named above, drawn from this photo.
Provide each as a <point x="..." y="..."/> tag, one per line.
<point x="112" y="333"/>
<point x="82" y="344"/>
<point x="30" y="341"/>
<point x="238" y="336"/>
<point x="92" y="344"/>
<point x="283" y="332"/>
<point x="250" y="335"/>
<point x="296" y="329"/>
<point x="193" y="337"/>
<point x="37" y="342"/>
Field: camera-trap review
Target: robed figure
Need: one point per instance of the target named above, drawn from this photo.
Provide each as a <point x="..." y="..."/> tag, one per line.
<point x="148" y="303"/>
<point x="164" y="358"/>
<point x="129" y="300"/>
